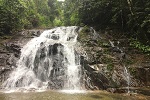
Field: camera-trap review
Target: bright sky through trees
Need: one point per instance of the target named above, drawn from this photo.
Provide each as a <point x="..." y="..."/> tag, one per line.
<point x="60" y="0"/>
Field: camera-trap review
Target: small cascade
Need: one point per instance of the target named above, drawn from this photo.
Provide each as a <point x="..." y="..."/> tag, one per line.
<point x="48" y="62"/>
<point x="127" y="78"/>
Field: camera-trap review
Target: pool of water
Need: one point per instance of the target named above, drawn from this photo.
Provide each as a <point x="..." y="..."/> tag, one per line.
<point x="68" y="95"/>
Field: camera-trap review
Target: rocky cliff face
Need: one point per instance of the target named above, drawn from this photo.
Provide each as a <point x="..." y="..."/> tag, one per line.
<point x="111" y="62"/>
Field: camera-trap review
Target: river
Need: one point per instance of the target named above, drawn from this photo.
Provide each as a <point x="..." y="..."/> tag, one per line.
<point x="58" y="95"/>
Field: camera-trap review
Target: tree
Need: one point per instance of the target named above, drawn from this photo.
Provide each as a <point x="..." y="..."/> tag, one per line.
<point x="12" y="14"/>
<point x="71" y="12"/>
<point x="127" y="15"/>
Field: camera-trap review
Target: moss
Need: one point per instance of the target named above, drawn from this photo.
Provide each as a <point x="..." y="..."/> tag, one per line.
<point x="106" y="51"/>
<point x="138" y="45"/>
<point x="110" y="66"/>
<point x="133" y="71"/>
<point x="5" y="37"/>
<point x="83" y="35"/>
<point x="99" y="53"/>
<point x="128" y="62"/>
<point x="113" y="84"/>
<point x="85" y="29"/>
<point x="103" y="43"/>
<point x="1" y="45"/>
<point x="107" y="60"/>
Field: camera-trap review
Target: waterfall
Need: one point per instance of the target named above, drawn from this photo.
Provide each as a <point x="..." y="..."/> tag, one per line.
<point x="127" y="78"/>
<point x="48" y="62"/>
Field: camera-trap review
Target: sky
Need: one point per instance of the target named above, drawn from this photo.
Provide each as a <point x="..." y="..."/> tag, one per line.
<point x="60" y="0"/>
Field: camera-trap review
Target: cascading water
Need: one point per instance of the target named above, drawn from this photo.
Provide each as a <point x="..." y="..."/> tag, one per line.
<point x="127" y="77"/>
<point x="48" y="62"/>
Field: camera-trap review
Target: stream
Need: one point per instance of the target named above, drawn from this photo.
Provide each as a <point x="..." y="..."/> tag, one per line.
<point x="61" y="95"/>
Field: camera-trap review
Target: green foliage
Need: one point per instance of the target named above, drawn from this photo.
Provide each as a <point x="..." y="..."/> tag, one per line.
<point x="74" y="19"/>
<point x="105" y="44"/>
<point x="12" y="16"/>
<point x="57" y="22"/>
<point x="85" y="29"/>
<point x="83" y="35"/>
<point x="107" y="60"/>
<point x="140" y="46"/>
<point x="131" y="17"/>
<point x="110" y="67"/>
<point x="71" y="12"/>
<point x="95" y="12"/>
<point x="133" y="71"/>
<point x="18" y="14"/>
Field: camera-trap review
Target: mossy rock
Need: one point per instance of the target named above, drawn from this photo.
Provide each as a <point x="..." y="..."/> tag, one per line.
<point x="107" y="60"/>
<point x="133" y="71"/>
<point x="85" y="29"/>
<point x="84" y="34"/>
<point x="110" y="66"/>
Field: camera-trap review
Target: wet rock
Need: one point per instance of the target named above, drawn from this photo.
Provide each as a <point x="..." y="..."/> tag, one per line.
<point x="57" y="70"/>
<point x="117" y="90"/>
<point x="130" y="90"/>
<point x="10" y="51"/>
<point x="33" y="32"/>
<point x="51" y="85"/>
<point x="55" y="37"/>
<point x="110" y="56"/>
<point x="143" y="74"/>
<point x="112" y="90"/>
<point x="116" y="49"/>
<point x="14" y="48"/>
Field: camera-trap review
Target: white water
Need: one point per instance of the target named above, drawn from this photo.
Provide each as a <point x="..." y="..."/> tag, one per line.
<point x="127" y="75"/>
<point x="48" y="62"/>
